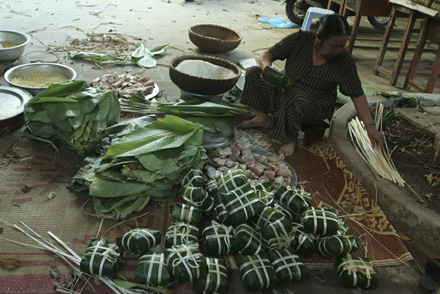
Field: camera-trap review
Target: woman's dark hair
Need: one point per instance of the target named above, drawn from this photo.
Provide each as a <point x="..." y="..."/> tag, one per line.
<point x="333" y="25"/>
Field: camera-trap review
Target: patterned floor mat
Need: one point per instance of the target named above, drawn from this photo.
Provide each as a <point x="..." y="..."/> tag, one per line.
<point x="33" y="191"/>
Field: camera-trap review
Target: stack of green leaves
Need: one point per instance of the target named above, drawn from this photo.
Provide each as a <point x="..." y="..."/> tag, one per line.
<point x="73" y="113"/>
<point x="148" y="162"/>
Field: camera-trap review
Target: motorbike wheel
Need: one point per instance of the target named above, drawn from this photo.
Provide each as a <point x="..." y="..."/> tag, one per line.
<point x="294" y="13"/>
<point x="378" y="22"/>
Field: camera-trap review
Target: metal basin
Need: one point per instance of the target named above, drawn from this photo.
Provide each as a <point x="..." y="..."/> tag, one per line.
<point x="13" y="53"/>
<point x="27" y="69"/>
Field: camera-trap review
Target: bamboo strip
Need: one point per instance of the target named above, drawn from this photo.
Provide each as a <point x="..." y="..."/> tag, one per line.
<point x="378" y="159"/>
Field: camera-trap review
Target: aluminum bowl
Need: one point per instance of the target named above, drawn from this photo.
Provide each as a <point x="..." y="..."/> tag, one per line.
<point x="27" y="69"/>
<point x="13" y="53"/>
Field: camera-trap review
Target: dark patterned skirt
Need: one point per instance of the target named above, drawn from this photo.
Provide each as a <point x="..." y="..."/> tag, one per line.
<point x="288" y="110"/>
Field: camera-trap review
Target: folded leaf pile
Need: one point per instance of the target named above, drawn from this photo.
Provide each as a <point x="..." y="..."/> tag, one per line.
<point x="148" y="162"/>
<point x="214" y="116"/>
<point x="73" y="113"/>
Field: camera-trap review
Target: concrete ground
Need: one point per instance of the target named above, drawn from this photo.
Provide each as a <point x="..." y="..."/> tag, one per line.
<point x="54" y="23"/>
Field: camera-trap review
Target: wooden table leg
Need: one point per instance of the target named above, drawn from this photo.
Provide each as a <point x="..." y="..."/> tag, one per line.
<point x="434" y="73"/>
<point x="385" y="40"/>
<point x="403" y="48"/>
<point x="354" y="29"/>
<point x="417" y="54"/>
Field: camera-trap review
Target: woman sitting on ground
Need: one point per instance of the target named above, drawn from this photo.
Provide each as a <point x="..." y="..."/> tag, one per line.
<point x="317" y="63"/>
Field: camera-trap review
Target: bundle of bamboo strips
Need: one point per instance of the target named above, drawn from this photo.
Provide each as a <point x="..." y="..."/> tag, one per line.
<point x="378" y="159"/>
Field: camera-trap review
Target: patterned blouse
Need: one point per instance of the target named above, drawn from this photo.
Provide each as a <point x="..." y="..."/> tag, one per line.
<point x="320" y="81"/>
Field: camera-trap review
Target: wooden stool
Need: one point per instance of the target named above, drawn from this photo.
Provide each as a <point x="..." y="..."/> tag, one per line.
<point x="430" y="30"/>
<point x="403" y="48"/>
<point x="360" y="8"/>
<point x="341" y="4"/>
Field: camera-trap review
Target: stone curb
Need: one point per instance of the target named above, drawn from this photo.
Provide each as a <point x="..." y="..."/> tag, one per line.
<point x="408" y="216"/>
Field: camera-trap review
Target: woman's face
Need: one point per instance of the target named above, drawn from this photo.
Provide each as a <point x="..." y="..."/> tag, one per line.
<point x="332" y="46"/>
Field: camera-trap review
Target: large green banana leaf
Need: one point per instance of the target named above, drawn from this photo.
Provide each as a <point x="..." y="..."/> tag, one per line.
<point x="170" y="132"/>
<point x="223" y="125"/>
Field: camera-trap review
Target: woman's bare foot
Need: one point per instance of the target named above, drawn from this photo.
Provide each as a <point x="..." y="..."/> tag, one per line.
<point x="287" y="149"/>
<point x="261" y="120"/>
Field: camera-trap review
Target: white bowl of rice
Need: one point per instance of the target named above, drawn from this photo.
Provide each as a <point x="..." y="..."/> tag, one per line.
<point x="36" y="77"/>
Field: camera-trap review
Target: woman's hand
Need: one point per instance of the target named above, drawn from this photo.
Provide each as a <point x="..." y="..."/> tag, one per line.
<point x="375" y="136"/>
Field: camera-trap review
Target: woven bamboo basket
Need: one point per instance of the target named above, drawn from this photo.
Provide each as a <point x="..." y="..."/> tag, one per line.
<point x="203" y="86"/>
<point x="214" y="38"/>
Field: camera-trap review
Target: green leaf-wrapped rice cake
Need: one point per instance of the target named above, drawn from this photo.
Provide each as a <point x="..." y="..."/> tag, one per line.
<point x="303" y="243"/>
<point x="216" y="281"/>
<point x="296" y="200"/>
<point x="242" y="203"/>
<point x="257" y="272"/>
<point x="218" y="239"/>
<point x="231" y="179"/>
<point x="287" y="264"/>
<point x="181" y="233"/>
<point x="185" y="213"/>
<point x="139" y="241"/>
<point x="276" y="229"/>
<point x="333" y="246"/>
<point x="356" y="272"/>
<point x="320" y="221"/>
<point x="221" y="213"/>
<point x="186" y="262"/>
<point x="211" y="187"/>
<point x="196" y="196"/>
<point x="153" y="270"/>
<point x="101" y="258"/>
<point x="265" y="191"/>
<point x="247" y="240"/>
<point x="194" y="178"/>
<point x="344" y="229"/>
<point x="278" y="207"/>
